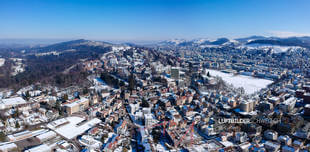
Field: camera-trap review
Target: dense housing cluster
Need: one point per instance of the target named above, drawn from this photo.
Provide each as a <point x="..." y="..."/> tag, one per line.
<point x="214" y="98"/>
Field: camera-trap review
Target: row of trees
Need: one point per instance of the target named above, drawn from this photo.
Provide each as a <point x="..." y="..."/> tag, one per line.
<point x="111" y="81"/>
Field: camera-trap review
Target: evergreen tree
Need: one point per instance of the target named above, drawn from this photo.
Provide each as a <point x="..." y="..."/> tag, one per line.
<point x="190" y="66"/>
<point x="156" y="134"/>
<point x="16" y="114"/>
<point x="65" y="97"/>
<point x="125" y="150"/>
<point x="144" y="103"/>
<point x="85" y="90"/>
<point x="58" y="107"/>
<point x="27" y="95"/>
<point x="132" y="82"/>
<point x="2" y="137"/>
<point x="17" y="124"/>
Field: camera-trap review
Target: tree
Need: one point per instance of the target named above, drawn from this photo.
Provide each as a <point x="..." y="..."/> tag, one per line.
<point x="110" y="80"/>
<point x="144" y="103"/>
<point x="2" y="137"/>
<point x="16" y="114"/>
<point x="85" y="90"/>
<point x="208" y="74"/>
<point x="65" y="97"/>
<point x="121" y="84"/>
<point x="122" y="95"/>
<point x="17" y="124"/>
<point x="58" y="107"/>
<point x="156" y="134"/>
<point x="26" y="126"/>
<point x="103" y="138"/>
<point x="132" y="82"/>
<point x="190" y="66"/>
<point x="27" y="95"/>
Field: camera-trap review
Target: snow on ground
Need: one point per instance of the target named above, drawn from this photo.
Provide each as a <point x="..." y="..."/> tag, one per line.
<point x="199" y="41"/>
<point x="250" y="84"/>
<point x="2" y="60"/>
<point x="118" y="48"/>
<point x="160" y="148"/>
<point x="176" y="41"/>
<point x="19" y="67"/>
<point x="47" y="53"/>
<point x="210" y="46"/>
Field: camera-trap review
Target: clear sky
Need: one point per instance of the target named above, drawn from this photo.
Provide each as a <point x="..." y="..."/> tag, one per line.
<point x="138" y="20"/>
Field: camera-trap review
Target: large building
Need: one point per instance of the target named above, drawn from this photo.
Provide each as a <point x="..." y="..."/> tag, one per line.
<point x="71" y="127"/>
<point x="247" y="106"/>
<point x="11" y="102"/>
<point x="77" y="105"/>
<point x="8" y="147"/>
<point x="175" y="73"/>
<point x="288" y="104"/>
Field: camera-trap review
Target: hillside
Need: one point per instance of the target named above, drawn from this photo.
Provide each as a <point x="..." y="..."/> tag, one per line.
<point x="46" y="64"/>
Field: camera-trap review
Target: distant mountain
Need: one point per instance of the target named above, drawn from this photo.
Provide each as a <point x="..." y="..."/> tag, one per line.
<point x="260" y="40"/>
<point x="187" y="43"/>
<point x="219" y="41"/>
<point x="173" y="42"/>
<point x="27" y="43"/>
<point x="195" y="42"/>
<point x="291" y="41"/>
<point x="129" y="44"/>
<point x="251" y="38"/>
<point x="80" y="45"/>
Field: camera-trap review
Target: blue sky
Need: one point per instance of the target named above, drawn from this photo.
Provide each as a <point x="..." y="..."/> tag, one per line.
<point x="147" y="20"/>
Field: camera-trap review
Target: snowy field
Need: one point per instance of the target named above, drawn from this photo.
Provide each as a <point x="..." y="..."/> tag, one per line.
<point x="250" y="84"/>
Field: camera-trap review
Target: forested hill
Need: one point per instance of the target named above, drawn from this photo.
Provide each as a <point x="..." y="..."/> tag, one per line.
<point x="46" y="64"/>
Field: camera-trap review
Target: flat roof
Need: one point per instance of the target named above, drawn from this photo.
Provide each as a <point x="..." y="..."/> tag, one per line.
<point x="12" y="101"/>
<point x="76" y="102"/>
<point x="71" y="129"/>
<point x="46" y="135"/>
<point x="290" y="100"/>
<point x="41" y="148"/>
<point x="9" y="146"/>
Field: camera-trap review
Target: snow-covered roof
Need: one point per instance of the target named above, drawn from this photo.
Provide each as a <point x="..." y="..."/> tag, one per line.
<point x="46" y="136"/>
<point x="8" y="147"/>
<point x="76" y="102"/>
<point x="40" y="148"/>
<point x="72" y="128"/>
<point x="5" y="103"/>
